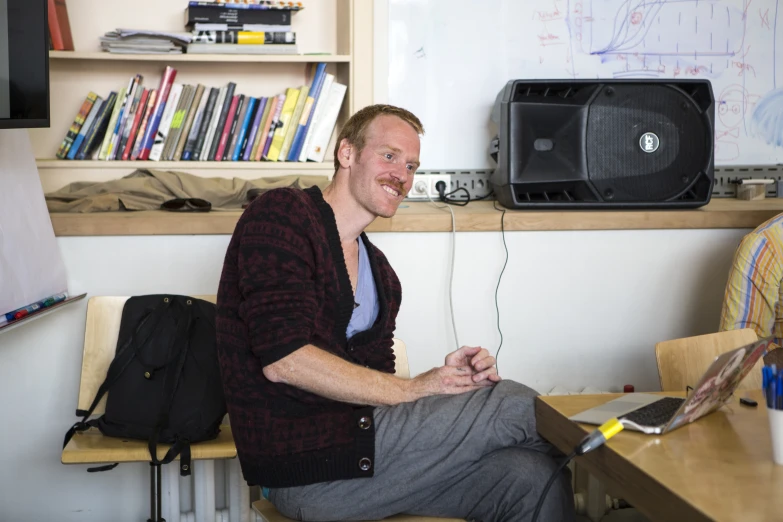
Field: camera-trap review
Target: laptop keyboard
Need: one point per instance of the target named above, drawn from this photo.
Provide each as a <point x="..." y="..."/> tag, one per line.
<point x="656" y="413"/>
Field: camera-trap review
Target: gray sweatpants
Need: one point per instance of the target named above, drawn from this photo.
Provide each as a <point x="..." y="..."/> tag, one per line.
<point x="475" y="456"/>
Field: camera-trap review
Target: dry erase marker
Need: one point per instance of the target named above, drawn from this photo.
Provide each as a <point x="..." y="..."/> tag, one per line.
<point x="43" y="303"/>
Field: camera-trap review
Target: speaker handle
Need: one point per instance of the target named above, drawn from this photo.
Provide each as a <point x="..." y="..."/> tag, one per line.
<point x="494" y="147"/>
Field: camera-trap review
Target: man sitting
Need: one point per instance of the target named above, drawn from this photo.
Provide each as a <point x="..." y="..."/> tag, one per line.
<point x="306" y="313"/>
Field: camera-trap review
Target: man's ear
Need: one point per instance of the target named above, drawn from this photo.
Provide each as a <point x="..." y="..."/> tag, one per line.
<point x="345" y="153"/>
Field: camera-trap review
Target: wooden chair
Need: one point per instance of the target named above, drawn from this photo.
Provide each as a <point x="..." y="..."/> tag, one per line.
<point x="681" y="362"/>
<point x="266" y="511"/>
<point x="91" y="447"/>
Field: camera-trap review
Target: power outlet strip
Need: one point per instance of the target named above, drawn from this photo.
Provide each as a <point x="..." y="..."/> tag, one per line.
<point x="475" y="182"/>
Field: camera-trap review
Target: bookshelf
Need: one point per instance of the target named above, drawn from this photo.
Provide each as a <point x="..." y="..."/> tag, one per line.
<point x="340" y="28"/>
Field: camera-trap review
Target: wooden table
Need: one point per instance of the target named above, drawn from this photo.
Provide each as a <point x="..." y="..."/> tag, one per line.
<point x="718" y="468"/>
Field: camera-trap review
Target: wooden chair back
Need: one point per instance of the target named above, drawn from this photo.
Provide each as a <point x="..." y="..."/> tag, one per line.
<point x="681" y="362"/>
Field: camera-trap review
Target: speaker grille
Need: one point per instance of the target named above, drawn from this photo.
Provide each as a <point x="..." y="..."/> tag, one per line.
<point x="618" y="165"/>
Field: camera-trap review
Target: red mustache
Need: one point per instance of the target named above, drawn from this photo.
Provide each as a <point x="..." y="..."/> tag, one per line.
<point x="397" y="185"/>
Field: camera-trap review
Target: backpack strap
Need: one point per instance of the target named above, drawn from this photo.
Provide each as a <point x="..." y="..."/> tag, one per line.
<point x="122" y="358"/>
<point x="181" y="446"/>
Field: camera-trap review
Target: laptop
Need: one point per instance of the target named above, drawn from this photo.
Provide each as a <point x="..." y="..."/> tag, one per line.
<point x="656" y="414"/>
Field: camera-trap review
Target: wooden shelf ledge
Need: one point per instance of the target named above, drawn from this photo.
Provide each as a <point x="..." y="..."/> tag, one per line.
<point x="200" y="58"/>
<point x="479" y="216"/>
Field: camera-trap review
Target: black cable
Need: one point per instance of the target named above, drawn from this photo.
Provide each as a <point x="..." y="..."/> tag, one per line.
<point x="549" y="483"/>
<point x="444" y="197"/>
<point x="497" y="288"/>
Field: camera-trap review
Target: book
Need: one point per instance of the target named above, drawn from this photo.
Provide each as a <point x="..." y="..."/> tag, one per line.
<point x="236" y="126"/>
<point x="201" y="48"/>
<point x="244" y="37"/>
<point x="126" y="115"/>
<point x="320" y="103"/>
<point x="131" y="123"/>
<point x="59" y="26"/>
<point x="79" y="139"/>
<point x="301" y="99"/>
<point x="244" y="126"/>
<point x="253" y="6"/>
<point x="76" y="126"/>
<point x="325" y="127"/>
<point x="177" y="121"/>
<point x="132" y="136"/>
<point x="99" y="127"/>
<point x="166" y="81"/>
<point x="318" y="76"/>
<point x="221" y="123"/>
<point x="192" y="118"/>
<point x="223" y="142"/>
<point x="213" y="122"/>
<point x="274" y="123"/>
<point x="213" y="13"/>
<point x="167" y="115"/>
<point x="287" y="112"/>
<point x="117" y="132"/>
<point x="118" y="104"/>
<point x="255" y="129"/>
<point x="254" y="28"/>
<point x="196" y="141"/>
<point x="147" y="112"/>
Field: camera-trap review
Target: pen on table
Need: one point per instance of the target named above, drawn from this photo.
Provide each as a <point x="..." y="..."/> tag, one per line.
<point x="43" y="303"/>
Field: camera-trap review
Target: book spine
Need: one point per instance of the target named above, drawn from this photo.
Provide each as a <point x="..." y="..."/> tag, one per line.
<point x="226" y="128"/>
<point x="320" y="103"/>
<point x="185" y="99"/>
<point x="326" y="126"/>
<point x="291" y="97"/>
<point x="213" y="122"/>
<point x="293" y="124"/>
<point x="76" y="126"/>
<point x="200" y="127"/>
<point x="318" y="81"/>
<point x="127" y="115"/>
<point x="166" y="81"/>
<point x="210" y="14"/>
<point x="138" y="146"/>
<point x="164" y="127"/>
<point x="273" y="126"/>
<point x="191" y="119"/>
<point x="282" y="6"/>
<point x="117" y="132"/>
<point x="266" y="121"/>
<point x="55" y="34"/>
<point x="252" y="142"/>
<point x="222" y="117"/>
<point x="64" y="25"/>
<point x="239" y="118"/>
<point x="125" y="144"/>
<point x="79" y="140"/>
<point x="243" y="129"/>
<point x="99" y="127"/>
<point x="112" y="123"/>
<point x="253" y="28"/>
<point x="244" y="37"/>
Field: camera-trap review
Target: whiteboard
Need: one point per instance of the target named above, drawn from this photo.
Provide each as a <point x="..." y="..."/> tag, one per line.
<point x="448" y="59"/>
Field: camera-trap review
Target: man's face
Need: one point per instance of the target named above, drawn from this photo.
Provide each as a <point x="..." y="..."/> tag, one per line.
<point x="382" y="175"/>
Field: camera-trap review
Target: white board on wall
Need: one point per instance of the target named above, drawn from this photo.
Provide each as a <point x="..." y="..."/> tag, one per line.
<point x="448" y="59"/>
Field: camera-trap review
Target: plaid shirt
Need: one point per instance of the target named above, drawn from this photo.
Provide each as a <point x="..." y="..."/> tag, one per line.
<point x="754" y="293"/>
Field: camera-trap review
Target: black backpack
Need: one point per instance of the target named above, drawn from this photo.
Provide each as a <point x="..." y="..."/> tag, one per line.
<point x="164" y="379"/>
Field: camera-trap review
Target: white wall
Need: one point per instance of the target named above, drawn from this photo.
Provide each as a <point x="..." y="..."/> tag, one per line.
<point x="577" y="309"/>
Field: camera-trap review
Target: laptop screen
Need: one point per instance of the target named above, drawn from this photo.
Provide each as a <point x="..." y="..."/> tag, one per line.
<point x="719" y="382"/>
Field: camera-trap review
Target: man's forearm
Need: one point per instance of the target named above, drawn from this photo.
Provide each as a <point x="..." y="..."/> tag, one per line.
<point x="318" y="371"/>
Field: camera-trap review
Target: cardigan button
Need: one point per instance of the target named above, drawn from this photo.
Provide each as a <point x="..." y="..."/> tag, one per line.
<point x="365" y="464"/>
<point x="365" y="423"/>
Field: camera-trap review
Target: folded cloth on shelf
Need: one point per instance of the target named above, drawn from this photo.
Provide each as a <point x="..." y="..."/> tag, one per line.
<point x="148" y="189"/>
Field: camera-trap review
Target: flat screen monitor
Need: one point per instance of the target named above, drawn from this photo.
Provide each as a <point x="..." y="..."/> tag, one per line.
<point x="24" y="64"/>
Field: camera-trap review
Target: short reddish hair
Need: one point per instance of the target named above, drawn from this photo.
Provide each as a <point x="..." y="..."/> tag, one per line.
<point x="355" y="129"/>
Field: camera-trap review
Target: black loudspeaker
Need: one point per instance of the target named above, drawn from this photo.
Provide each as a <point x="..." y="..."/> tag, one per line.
<point x="604" y="144"/>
